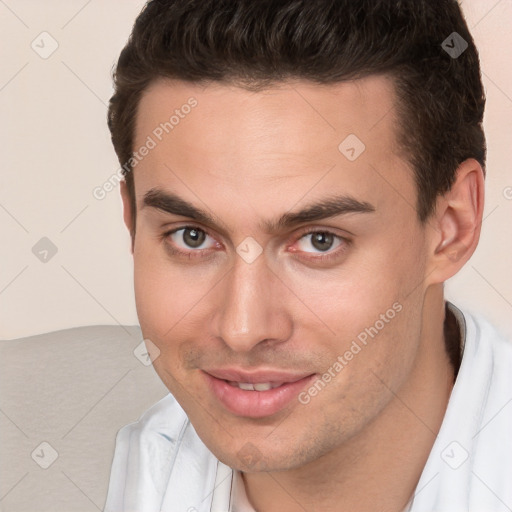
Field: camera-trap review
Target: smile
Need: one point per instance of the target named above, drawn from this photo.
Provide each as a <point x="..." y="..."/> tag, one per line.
<point x="255" y="395"/>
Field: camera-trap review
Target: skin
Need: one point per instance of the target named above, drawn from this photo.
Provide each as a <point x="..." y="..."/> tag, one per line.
<point x="246" y="157"/>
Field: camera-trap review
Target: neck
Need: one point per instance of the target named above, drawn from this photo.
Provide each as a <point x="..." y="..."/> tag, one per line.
<point x="379" y="468"/>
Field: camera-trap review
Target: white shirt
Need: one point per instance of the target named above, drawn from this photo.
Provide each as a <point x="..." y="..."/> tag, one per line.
<point x="161" y="465"/>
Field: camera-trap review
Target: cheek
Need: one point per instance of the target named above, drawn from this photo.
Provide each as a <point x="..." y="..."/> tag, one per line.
<point x="154" y="302"/>
<point x="172" y="303"/>
<point x="165" y="292"/>
<point x="162" y="304"/>
<point x="373" y="307"/>
<point x="368" y="366"/>
<point x="351" y="298"/>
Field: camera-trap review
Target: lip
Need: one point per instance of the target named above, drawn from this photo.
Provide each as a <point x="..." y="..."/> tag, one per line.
<point x="237" y="375"/>
<point x="255" y="404"/>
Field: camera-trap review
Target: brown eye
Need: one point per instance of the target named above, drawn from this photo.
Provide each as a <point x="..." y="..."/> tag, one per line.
<point x="322" y="241"/>
<point x="321" y="246"/>
<point x="189" y="239"/>
<point x="193" y="237"/>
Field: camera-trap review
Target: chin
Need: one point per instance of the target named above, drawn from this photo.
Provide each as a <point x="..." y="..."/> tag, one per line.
<point x="250" y="459"/>
<point x="266" y="455"/>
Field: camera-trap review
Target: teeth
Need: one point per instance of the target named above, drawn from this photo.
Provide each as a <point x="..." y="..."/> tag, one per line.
<point x="260" y="386"/>
<point x="264" y="386"/>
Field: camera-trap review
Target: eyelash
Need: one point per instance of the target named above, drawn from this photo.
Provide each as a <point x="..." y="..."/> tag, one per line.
<point x="345" y="242"/>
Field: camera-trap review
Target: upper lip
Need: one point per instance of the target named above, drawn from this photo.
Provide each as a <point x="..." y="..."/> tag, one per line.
<point x="256" y="376"/>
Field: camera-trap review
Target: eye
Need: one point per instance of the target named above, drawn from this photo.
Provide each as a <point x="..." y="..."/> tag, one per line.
<point x="188" y="239"/>
<point x="326" y="245"/>
<point x="321" y="240"/>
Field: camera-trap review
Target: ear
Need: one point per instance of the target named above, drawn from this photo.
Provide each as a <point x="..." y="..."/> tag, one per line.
<point x="456" y="223"/>
<point x="127" y="211"/>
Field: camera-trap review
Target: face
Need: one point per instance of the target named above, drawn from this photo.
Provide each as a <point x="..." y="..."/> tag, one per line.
<point x="238" y="290"/>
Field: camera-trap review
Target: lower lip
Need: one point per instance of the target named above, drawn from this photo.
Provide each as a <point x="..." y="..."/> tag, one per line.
<point x="255" y="404"/>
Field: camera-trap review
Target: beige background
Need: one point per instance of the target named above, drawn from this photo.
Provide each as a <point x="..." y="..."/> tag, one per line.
<point x="55" y="149"/>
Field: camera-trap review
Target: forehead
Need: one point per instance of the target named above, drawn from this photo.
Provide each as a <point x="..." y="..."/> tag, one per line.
<point x="309" y="113"/>
<point x="293" y="141"/>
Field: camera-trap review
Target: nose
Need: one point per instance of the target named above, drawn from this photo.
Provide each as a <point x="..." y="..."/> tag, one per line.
<point x="251" y="309"/>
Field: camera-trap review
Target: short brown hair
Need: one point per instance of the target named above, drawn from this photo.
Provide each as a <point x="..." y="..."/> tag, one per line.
<point x="255" y="43"/>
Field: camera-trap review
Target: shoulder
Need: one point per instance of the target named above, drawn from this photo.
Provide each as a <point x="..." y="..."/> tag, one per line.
<point x="485" y="340"/>
<point x="482" y="392"/>
<point x="165" y="419"/>
<point x="144" y="455"/>
<point x="473" y="444"/>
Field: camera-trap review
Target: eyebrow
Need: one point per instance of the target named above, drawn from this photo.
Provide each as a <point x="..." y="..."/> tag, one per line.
<point x="328" y="207"/>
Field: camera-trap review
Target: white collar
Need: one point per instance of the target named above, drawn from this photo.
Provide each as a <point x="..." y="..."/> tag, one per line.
<point x="229" y="492"/>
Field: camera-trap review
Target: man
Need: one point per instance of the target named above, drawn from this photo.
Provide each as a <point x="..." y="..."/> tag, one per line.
<point x="301" y="177"/>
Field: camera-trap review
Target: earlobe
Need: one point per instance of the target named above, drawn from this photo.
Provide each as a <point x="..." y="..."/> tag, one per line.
<point x="457" y="221"/>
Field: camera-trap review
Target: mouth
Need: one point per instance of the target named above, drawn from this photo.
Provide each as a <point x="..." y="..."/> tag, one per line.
<point x="255" y="395"/>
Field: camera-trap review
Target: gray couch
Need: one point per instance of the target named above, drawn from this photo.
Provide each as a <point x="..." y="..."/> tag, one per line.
<point x="63" y="397"/>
